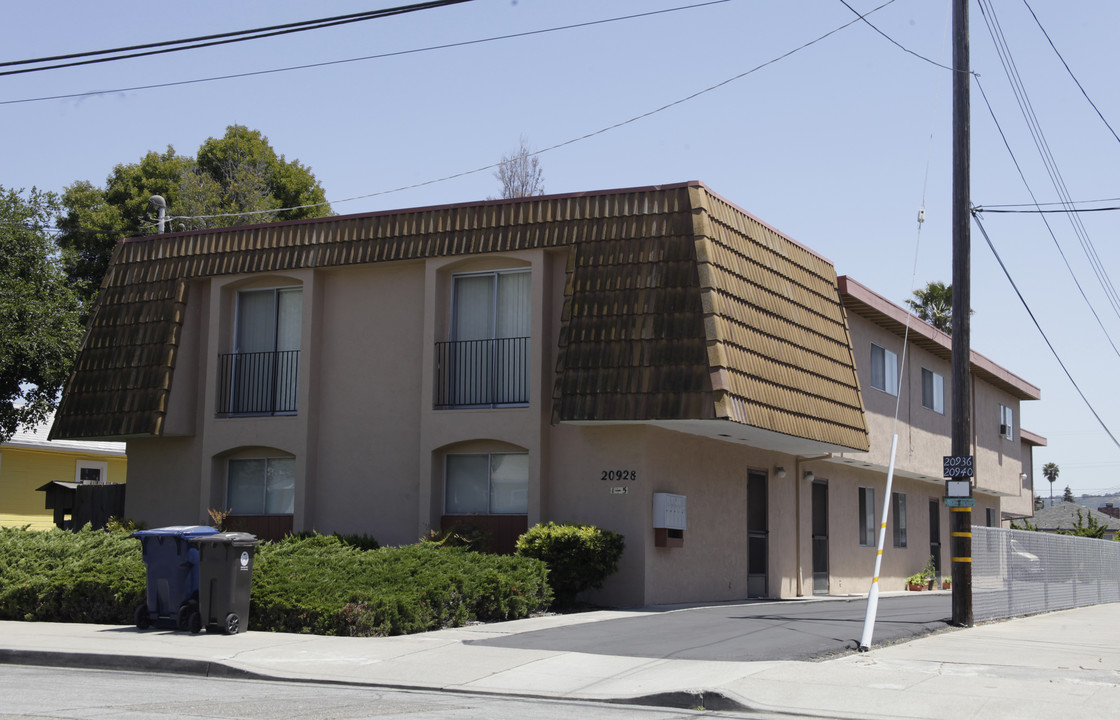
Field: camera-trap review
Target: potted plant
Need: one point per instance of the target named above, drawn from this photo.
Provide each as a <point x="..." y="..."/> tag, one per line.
<point x="947" y="583"/>
<point x="916" y="582"/>
<point x="929" y="572"/>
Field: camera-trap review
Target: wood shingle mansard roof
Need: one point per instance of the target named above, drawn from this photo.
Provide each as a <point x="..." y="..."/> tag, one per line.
<point x="678" y="307"/>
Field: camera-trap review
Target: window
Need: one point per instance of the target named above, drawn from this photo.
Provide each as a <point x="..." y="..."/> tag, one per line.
<point x="992" y="520"/>
<point x="1006" y="422"/>
<point x="933" y="391"/>
<point x="486" y="360"/>
<point x="898" y="519"/>
<point x="261" y="376"/>
<point x="487" y="484"/>
<point x="884" y="369"/>
<point x="262" y="486"/>
<point x="91" y="471"/>
<point x="867" y="516"/>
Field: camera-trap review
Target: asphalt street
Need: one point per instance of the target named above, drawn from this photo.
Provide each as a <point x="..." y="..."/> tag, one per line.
<point x="766" y="630"/>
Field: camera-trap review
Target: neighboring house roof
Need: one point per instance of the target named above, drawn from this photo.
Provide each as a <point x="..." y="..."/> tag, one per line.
<point x="1063" y="516"/>
<point x="1030" y="438"/>
<point x="37" y="438"/>
<point x="679" y="306"/>
<point x="869" y="304"/>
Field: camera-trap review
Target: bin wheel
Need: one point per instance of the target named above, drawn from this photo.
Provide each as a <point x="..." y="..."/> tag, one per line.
<point x="233" y="624"/>
<point x="142" y="618"/>
<point x="194" y="623"/>
<point x="183" y="619"/>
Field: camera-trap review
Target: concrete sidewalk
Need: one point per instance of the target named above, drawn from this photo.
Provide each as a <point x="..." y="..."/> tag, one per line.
<point x="1054" y="665"/>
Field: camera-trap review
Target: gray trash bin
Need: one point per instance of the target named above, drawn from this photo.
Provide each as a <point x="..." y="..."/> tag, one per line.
<point x="225" y="577"/>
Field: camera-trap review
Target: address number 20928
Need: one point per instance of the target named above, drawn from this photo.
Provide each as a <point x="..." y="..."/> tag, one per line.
<point x="619" y="475"/>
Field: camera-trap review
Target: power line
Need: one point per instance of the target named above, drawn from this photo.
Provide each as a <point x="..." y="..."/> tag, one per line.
<point x="1040" y="211"/>
<point x="1068" y="70"/>
<point x="1050" y="345"/>
<point x="1023" y="177"/>
<point x="164" y="47"/>
<point x="1026" y="108"/>
<point x="587" y="136"/>
<point x="378" y="56"/>
<point x="894" y="42"/>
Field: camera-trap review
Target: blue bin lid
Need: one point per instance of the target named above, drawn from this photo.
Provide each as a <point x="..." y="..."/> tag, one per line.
<point x="185" y="531"/>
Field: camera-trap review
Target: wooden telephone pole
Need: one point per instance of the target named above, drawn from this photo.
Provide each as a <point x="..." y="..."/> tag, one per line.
<point x="960" y="526"/>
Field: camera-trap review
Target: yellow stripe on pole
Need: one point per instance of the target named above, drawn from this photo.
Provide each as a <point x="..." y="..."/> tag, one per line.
<point x="961" y="534"/>
<point x="879" y="553"/>
<point x="882" y="526"/>
<point x="962" y="559"/>
<point x="874" y="579"/>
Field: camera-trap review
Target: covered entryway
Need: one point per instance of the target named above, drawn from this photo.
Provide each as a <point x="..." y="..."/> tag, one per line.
<point x="820" y="537"/>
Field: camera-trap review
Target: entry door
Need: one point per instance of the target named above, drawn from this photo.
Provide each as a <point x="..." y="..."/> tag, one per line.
<point x="758" y="544"/>
<point x="935" y="535"/>
<point x="820" y="538"/>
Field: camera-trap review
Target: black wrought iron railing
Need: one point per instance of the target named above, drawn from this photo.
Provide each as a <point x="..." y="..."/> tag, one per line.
<point x="482" y="373"/>
<point x="260" y="383"/>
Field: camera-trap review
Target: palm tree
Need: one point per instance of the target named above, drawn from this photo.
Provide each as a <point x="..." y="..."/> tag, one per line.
<point x="1050" y="470"/>
<point x="934" y="304"/>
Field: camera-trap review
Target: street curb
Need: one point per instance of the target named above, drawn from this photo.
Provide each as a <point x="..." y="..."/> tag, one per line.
<point x="680" y="700"/>
<point x="132" y="663"/>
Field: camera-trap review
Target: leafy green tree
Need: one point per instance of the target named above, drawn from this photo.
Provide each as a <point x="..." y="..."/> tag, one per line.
<point x="1050" y="472"/>
<point x="39" y="328"/>
<point x="235" y="179"/>
<point x="934" y="304"/>
<point x="1067" y="496"/>
<point x="1025" y="525"/>
<point x="1085" y="527"/>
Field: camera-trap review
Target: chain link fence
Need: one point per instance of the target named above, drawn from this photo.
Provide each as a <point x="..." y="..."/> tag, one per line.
<point x="1020" y="572"/>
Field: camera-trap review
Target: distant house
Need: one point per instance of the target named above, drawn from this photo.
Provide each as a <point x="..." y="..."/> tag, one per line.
<point x="1063" y="516"/>
<point x="30" y="460"/>
<point x="654" y="361"/>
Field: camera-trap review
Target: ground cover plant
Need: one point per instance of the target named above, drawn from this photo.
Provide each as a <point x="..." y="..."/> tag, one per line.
<point x="312" y="584"/>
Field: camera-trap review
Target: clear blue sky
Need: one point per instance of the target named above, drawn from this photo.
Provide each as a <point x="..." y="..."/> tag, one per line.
<point x="831" y="145"/>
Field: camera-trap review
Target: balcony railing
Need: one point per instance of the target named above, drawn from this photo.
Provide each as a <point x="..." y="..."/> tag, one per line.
<point x="261" y="383"/>
<point x="482" y="373"/>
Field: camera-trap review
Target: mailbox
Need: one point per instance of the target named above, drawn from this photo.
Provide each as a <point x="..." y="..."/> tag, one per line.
<point x="669" y="513"/>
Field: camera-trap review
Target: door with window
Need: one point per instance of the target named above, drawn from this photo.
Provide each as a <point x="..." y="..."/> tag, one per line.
<point x="486" y="361"/>
<point x="758" y="534"/>
<point x="261" y="376"/>
<point x="820" y="538"/>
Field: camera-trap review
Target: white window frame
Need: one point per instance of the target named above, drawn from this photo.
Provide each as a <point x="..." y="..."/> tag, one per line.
<point x="888" y="383"/>
<point x="1007" y="422"/>
<point x="101" y="466"/>
<point x="489" y="484"/>
<point x="867" y="524"/>
<point x="936" y="399"/>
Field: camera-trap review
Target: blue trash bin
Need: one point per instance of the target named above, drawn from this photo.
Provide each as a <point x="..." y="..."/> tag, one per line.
<point x="172" y="564"/>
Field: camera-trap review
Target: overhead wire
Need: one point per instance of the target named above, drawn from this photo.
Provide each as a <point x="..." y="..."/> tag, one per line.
<point x="1053" y="350"/>
<point x="1050" y="230"/>
<point x="581" y="138"/>
<point x="378" y="56"/>
<point x="1050" y="163"/>
<point x="160" y="48"/>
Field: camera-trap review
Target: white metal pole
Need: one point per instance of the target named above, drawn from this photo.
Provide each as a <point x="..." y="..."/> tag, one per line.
<point x="873" y="594"/>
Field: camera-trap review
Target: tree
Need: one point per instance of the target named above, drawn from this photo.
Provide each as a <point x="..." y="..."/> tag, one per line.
<point x="237" y="178"/>
<point x="39" y="328"/>
<point x="1086" y="527"/>
<point x="934" y="304"/>
<point x="1050" y="472"/>
<point x="1067" y="496"/>
<point x="520" y="173"/>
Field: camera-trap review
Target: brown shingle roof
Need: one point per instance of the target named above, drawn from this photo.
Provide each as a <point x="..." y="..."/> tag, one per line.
<point x="678" y="305"/>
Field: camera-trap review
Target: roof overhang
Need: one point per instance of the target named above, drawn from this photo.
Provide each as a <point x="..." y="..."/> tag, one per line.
<point x="735" y="433"/>
<point x="862" y="301"/>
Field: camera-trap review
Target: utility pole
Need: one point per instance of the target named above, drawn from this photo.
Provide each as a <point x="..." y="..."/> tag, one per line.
<point x="960" y="525"/>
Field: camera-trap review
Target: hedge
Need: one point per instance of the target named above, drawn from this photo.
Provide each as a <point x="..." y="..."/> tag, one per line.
<point x="316" y="584"/>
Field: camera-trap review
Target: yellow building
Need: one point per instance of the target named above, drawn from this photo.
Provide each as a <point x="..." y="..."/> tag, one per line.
<point x="29" y="460"/>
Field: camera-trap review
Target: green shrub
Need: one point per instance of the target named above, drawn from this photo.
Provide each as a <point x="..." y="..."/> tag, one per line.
<point x="312" y="584"/>
<point x="579" y="557"/>
<point x="320" y="585"/>
<point x="60" y="576"/>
